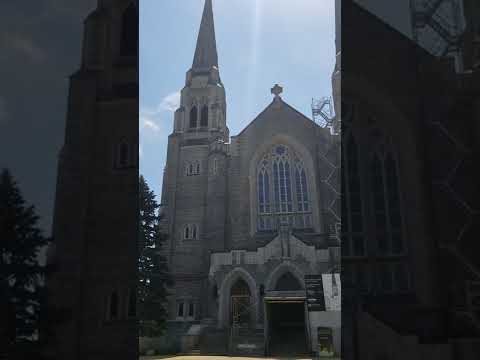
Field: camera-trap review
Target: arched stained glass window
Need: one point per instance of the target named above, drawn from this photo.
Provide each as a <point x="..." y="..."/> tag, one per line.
<point x="193" y="117"/>
<point x="280" y="176"/>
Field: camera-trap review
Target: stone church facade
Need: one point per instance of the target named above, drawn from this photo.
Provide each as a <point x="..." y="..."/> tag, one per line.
<point x="95" y="220"/>
<point x="250" y="215"/>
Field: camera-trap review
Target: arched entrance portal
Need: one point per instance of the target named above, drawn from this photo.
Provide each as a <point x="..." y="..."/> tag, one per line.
<point x="241" y="301"/>
<point x="286" y="322"/>
<point x="288" y="282"/>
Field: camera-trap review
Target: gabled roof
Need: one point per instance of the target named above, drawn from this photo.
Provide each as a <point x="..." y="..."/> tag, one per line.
<point x="278" y="103"/>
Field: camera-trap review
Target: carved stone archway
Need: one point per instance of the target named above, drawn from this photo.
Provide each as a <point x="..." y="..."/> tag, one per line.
<point x="225" y="296"/>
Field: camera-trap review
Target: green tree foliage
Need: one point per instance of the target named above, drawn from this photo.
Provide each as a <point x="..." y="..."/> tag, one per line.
<point x="154" y="278"/>
<point x="21" y="275"/>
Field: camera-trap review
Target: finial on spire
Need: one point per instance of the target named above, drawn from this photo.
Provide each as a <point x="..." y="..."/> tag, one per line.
<point x="277" y="90"/>
<point x="206" y="51"/>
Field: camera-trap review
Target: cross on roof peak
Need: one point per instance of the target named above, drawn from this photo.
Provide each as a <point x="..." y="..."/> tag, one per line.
<point x="277" y="90"/>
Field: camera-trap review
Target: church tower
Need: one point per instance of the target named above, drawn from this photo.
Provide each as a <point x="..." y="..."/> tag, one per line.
<point x="96" y="207"/>
<point x="195" y="186"/>
<point x="202" y="111"/>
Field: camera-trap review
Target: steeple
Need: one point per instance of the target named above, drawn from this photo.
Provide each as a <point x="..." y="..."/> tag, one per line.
<point x="203" y="109"/>
<point x="206" y="52"/>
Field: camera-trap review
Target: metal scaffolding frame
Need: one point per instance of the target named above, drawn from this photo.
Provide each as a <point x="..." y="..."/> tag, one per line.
<point x="322" y="111"/>
<point x="438" y="26"/>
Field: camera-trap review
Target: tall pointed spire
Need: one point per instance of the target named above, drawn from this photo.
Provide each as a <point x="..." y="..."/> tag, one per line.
<point x="206" y="52"/>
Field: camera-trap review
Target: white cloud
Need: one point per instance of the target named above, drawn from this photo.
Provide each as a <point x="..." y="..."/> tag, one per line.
<point x="151" y="118"/>
<point x="150" y="125"/>
<point x="171" y="102"/>
<point x="148" y="122"/>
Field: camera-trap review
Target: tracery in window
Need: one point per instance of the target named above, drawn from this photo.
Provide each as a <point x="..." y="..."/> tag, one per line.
<point x="301" y="185"/>
<point x="275" y="190"/>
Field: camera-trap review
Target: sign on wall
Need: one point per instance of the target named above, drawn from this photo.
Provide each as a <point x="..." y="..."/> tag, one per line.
<point x="325" y="342"/>
<point x="314" y="292"/>
<point x="323" y="292"/>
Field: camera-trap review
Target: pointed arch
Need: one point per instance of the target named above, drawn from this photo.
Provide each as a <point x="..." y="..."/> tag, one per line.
<point x="193" y="117"/>
<point x="281" y="173"/>
<point x="204" y="116"/>
<point x="281" y="270"/>
<point x="225" y="291"/>
<point x="288" y="282"/>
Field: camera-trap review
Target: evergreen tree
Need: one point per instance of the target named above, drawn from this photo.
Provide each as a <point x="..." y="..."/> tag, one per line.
<point x="21" y="274"/>
<point x="152" y="267"/>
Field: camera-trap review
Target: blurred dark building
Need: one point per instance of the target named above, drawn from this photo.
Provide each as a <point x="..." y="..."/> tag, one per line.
<point x="95" y="223"/>
<point x="410" y="214"/>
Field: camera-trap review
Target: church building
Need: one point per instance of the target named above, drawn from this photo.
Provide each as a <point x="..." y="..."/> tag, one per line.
<point x="251" y="220"/>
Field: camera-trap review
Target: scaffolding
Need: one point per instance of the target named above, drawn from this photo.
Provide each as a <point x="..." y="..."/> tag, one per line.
<point x="323" y="112"/>
<point x="438" y="26"/>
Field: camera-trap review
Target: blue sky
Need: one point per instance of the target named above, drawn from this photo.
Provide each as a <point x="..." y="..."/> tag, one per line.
<point x="259" y="43"/>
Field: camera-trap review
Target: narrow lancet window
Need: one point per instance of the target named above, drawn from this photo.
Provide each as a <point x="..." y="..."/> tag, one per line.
<point x="193" y="117"/>
<point x="204" y="117"/>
